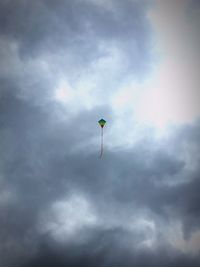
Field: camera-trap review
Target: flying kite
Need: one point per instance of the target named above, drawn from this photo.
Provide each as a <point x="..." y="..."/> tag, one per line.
<point x="102" y="123"/>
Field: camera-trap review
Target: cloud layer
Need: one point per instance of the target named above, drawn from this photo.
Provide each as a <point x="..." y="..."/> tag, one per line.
<point x="63" y="67"/>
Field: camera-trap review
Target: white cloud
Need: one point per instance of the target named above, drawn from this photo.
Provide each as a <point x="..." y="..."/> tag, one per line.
<point x="67" y="217"/>
<point x="175" y="236"/>
<point x="173" y="94"/>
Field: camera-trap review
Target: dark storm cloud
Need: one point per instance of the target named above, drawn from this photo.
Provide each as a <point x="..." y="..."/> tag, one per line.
<point x="31" y="145"/>
<point x="39" y="167"/>
<point x="47" y="152"/>
<point x="107" y="248"/>
<point x="78" y="31"/>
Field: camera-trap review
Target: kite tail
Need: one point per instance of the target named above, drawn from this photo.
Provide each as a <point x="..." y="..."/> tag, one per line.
<point x="101" y="153"/>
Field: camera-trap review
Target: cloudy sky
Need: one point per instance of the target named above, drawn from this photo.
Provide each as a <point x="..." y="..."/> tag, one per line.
<point x="64" y="65"/>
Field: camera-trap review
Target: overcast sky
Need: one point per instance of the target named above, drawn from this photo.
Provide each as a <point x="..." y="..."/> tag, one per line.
<point x="64" y="65"/>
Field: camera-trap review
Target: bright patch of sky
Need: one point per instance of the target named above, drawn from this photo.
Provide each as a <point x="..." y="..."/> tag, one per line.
<point x="67" y="217"/>
<point x="167" y="96"/>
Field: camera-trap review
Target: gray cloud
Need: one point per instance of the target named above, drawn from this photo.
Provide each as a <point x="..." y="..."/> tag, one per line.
<point x="73" y="35"/>
<point x="39" y="167"/>
<point x="116" y="210"/>
<point x="106" y="248"/>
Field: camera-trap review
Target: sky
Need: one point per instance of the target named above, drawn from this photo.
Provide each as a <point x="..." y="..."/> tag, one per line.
<point x="66" y="64"/>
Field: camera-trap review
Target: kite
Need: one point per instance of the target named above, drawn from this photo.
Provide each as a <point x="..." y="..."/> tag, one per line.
<point x="102" y="123"/>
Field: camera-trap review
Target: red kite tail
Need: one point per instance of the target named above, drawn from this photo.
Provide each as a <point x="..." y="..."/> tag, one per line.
<point x="101" y="153"/>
